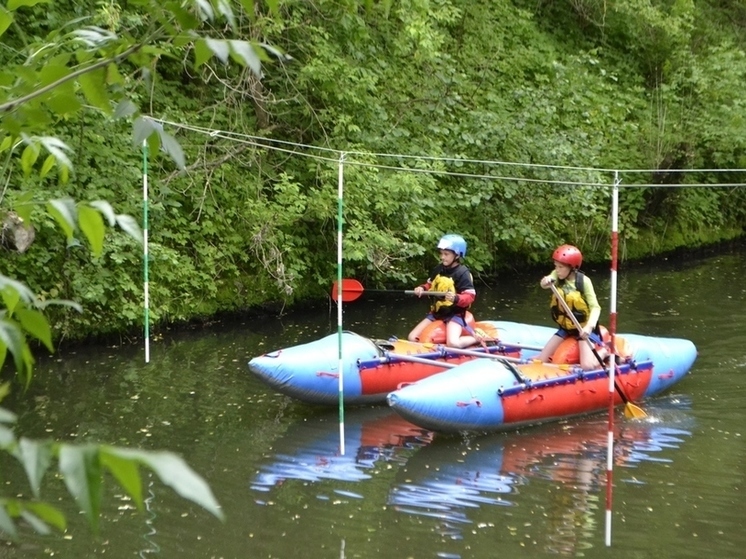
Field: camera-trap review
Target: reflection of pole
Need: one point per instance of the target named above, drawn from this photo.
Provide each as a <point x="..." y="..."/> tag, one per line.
<point x="340" y="365"/>
<point x="146" y="302"/>
<point x="612" y="331"/>
<point x="575" y="514"/>
<point x="342" y="550"/>
<point x="152" y="546"/>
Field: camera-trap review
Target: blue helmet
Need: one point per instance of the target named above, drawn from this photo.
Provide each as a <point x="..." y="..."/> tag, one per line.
<point x="456" y="243"/>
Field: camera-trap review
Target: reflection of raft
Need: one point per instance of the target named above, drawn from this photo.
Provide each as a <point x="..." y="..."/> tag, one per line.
<point x="372" y="368"/>
<point x="309" y="451"/>
<point x="452" y="479"/>
<point x="489" y="394"/>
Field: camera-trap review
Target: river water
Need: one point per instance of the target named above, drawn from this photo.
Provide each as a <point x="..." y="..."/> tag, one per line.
<point x="400" y="491"/>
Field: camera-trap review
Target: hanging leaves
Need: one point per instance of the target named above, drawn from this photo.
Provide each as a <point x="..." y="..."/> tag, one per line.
<point x="81" y="470"/>
<point x="92" y="225"/>
<point x="34" y="323"/>
<point x="35" y="456"/>
<point x="174" y="472"/>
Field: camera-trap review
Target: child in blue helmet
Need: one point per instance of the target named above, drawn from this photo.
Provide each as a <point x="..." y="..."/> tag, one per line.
<point x="453" y="278"/>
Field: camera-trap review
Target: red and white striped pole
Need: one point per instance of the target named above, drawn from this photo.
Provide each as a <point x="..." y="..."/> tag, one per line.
<point x="612" y="361"/>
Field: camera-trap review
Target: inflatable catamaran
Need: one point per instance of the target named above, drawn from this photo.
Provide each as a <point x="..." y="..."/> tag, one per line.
<point x="488" y="387"/>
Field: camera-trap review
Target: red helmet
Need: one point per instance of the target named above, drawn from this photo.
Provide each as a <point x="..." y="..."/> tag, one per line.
<point x="568" y="254"/>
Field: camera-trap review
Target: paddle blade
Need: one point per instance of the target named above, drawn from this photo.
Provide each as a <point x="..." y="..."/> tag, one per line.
<point x="351" y="290"/>
<point x="632" y="411"/>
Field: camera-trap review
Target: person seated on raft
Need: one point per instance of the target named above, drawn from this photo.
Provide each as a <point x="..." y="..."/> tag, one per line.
<point x="454" y="279"/>
<point x="577" y="290"/>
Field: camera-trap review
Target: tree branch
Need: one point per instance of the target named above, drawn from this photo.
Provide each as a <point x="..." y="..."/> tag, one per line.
<point x="11" y="105"/>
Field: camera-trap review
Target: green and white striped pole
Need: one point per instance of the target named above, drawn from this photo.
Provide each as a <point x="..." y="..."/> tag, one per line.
<point x="146" y="303"/>
<point x="340" y="365"/>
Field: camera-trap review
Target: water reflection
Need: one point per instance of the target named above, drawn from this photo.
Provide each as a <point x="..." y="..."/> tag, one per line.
<point x="150" y="545"/>
<point x="309" y="451"/>
<point x="459" y="484"/>
<point x="559" y="469"/>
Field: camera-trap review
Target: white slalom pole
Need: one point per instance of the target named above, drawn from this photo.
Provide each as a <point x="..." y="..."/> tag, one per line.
<point x="612" y="331"/>
<point x="340" y="365"/>
<point x="146" y="303"/>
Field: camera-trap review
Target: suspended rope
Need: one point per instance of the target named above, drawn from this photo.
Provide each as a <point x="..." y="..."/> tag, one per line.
<point x="332" y="155"/>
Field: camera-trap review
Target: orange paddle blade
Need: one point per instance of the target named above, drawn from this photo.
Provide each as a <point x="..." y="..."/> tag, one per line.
<point x="351" y="289"/>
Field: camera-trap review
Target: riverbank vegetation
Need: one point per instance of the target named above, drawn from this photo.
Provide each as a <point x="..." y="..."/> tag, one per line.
<point x="423" y="97"/>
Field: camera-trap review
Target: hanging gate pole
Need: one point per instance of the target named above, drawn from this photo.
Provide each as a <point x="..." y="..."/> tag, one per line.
<point x="340" y="366"/>
<point x="612" y="331"/>
<point x="146" y="302"/>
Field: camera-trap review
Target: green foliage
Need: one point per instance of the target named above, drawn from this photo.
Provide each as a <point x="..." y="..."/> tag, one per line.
<point x="72" y="66"/>
<point x="574" y="87"/>
<point x="84" y="78"/>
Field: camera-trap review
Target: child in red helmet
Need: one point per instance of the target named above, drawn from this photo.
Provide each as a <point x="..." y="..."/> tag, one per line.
<point x="454" y="279"/>
<point x="577" y="290"/>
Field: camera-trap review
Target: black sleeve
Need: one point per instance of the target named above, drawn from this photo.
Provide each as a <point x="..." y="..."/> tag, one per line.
<point x="463" y="280"/>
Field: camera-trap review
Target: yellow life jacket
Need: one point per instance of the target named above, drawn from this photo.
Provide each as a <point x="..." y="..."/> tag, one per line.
<point x="445" y="285"/>
<point x="573" y="296"/>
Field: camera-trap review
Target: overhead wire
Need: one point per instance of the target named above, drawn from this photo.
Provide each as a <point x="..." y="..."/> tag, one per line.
<point x="332" y="155"/>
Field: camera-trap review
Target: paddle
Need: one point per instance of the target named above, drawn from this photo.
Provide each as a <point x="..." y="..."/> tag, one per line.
<point x="506" y="361"/>
<point x="393" y="357"/>
<point x="353" y="289"/>
<point x="500" y="345"/>
<point x="497" y="357"/>
<point x="445" y="350"/>
<point x="630" y="410"/>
